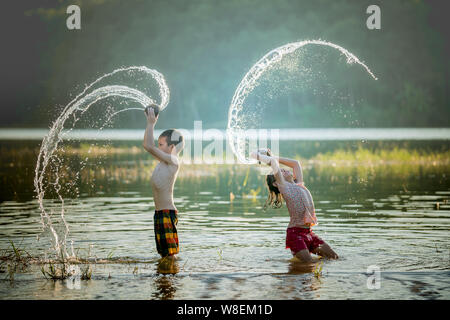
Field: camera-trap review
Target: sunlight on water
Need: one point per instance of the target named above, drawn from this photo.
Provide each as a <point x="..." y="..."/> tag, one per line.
<point x="227" y="253"/>
<point x="294" y="134"/>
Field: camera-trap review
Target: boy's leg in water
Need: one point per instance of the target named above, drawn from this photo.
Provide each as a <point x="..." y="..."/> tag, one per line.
<point x="325" y="250"/>
<point x="168" y="264"/>
<point x="168" y="259"/>
<point x="304" y="256"/>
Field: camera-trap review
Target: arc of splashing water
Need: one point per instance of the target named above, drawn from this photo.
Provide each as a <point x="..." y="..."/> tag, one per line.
<point x="52" y="139"/>
<point x="234" y="129"/>
<point x="163" y="88"/>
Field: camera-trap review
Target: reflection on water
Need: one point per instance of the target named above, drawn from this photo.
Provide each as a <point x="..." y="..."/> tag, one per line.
<point x="165" y="287"/>
<point x="297" y="267"/>
<point x="395" y="218"/>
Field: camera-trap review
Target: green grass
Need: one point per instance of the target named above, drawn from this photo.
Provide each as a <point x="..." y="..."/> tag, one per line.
<point x="17" y="260"/>
<point x="318" y="270"/>
<point x="58" y="270"/>
<point x="13" y="261"/>
<point x="363" y="156"/>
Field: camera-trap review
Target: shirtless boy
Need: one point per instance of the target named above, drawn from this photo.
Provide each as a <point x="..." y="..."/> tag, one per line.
<point x="170" y="144"/>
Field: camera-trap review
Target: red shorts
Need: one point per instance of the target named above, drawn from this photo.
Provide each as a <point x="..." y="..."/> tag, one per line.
<point x="301" y="238"/>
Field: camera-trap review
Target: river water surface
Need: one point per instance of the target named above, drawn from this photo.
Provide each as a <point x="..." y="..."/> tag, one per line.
<point x="391" y="218"/>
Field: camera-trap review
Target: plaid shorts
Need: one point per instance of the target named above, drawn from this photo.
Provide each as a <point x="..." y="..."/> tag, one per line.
<point x="166" y="236"/>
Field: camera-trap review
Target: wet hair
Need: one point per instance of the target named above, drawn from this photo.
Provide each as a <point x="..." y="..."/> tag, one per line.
<point x="173" y="137"/>
<point x="156" y="109"/>
<point x="274" y="199"/>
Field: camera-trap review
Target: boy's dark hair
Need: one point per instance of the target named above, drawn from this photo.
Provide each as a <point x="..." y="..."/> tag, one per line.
<point x="173" y="137"/>
<point x="274" y="199"/>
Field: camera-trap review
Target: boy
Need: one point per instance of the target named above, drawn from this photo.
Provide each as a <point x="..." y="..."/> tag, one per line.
<point x="170" y="144"/>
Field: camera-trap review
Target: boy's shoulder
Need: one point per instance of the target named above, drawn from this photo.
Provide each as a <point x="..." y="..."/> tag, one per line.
<point x="174" y="160"/>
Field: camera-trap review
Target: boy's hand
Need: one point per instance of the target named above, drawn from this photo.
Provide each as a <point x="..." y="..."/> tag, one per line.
<point x="151" y="118"/>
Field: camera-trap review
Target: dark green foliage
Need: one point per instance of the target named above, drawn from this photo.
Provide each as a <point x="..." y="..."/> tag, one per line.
<point x="205" y="47"/>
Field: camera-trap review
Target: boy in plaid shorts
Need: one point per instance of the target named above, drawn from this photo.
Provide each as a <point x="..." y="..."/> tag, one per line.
<point x="170" y="144"/>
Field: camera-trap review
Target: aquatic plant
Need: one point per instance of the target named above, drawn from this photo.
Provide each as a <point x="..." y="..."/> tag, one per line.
<point x="318" y="270"/>
<point x="63" y="268"/>
<point x="110" y="254"/>
<point x="58" y="270"/>
<point x="86" y="272"/>
<point x="13" y="261"/>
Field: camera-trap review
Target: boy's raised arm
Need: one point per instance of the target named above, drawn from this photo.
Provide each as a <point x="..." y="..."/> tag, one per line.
<point x="149" y="141"/>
